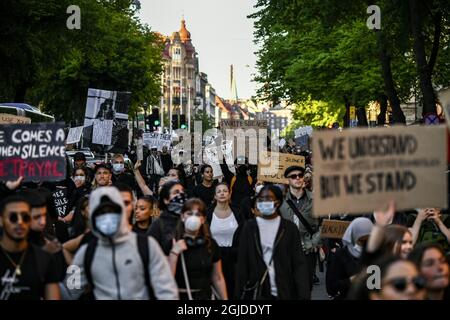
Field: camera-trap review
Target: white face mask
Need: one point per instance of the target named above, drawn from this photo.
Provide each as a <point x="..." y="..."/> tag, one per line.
<point x="108" y="224"/>
<point x="118" y="167"/>
<point x="79" y="178"/>
<point x="192" y="223"/>
<point x="266" y="208"/>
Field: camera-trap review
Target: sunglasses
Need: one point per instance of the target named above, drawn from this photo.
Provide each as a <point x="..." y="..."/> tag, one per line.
<point x="400" y="284"/>
<point x="24" y="216"/>
<point x="296" y="176"/>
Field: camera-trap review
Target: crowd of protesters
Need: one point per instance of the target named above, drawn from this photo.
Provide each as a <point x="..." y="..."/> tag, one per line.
<point x="157" y="230"/>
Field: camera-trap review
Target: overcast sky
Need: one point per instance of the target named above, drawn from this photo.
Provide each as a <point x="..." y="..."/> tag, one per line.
<point x="220" y="32"/>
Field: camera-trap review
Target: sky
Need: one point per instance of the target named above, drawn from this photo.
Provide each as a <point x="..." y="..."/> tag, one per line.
<point x="220" y="32"/>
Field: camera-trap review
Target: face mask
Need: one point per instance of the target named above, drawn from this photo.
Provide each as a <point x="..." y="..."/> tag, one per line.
<point x="108" y="224"/>
<point x="79" y="178"/>
<point x="266" y="208"/>
<point x="118" y="167"/>
<point x="176" y="203"/>
<point x="192" y="223"/>
<point x="258" y="188"/>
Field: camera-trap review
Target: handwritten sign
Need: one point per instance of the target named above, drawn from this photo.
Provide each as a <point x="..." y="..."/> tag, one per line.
<point x="333" y="229"/>
<point x="303" y="131"/>
<point x="74" y="135"/>
<point x="60" y="201"/>
<point x="359" y="170"/>
<point x="156" y="139"/>
<point x="34" y="151"/>
<point x="273" y="164"/>
<point x="9" y="118"/>
<point x="102" y="132"/>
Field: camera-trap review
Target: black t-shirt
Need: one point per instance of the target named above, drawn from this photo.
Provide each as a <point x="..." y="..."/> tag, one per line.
<point x="206" y="194"/>
<point x="37" y="270"/>
<point x="199" y="266"/>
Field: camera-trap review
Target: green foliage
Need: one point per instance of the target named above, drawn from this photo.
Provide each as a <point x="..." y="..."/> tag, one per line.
<point x="111" y="51"/>
<point x="207" y="121"/>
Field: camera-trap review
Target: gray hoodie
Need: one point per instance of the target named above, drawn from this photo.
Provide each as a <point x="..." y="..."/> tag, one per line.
<point x="130" y="271"/>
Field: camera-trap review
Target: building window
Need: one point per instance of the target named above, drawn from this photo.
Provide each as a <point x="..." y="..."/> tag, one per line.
<point x="177" y="53"/>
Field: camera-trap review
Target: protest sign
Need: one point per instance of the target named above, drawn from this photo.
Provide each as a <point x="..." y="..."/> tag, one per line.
<point x="33" y="151"/>
<point x="212" y="158"/>
<point x="273" y="164"/>
<point x="74" y="135"/>
<point x="109" y="105"/>
<point x="247" y="136"/>
<point x="60" y="201"/>
<point x="333" y="229"/>
<point x="139" y="149"/>
<point x="102" y="132"/>
<point x="303" y="131"/>
<point x="360" y="170"/>
<point x="6" y="118"/>
<point x="156" y="139"/>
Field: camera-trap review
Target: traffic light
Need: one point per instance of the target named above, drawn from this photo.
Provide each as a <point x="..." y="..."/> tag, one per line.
<point x="155" y="118"/>
<point x="174" y="121"/>
<point x="183" y="124"/>
<point x="147" y="123"/>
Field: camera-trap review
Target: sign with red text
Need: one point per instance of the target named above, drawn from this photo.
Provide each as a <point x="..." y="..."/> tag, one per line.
<point x="33" y="151"/>
<point x="358" y="171"/>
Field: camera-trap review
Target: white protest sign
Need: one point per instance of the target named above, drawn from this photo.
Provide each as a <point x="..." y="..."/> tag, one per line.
<point x="102" y="132"/>
<point x="74" y="135"/>
<point x="212" y="158"/>
<point x="360" y="170"/>
<point x="302" y="131"/>
<point x="156" y="139"/>
<point x="139" y="149"/>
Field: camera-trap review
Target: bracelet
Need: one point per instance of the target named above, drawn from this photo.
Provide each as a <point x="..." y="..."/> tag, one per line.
<point x="173" y="252"/>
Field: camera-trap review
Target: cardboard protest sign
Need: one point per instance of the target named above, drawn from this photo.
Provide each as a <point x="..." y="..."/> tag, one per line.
<point x="360" y="170"/>
<point x="102" y="132"/>
<point x="333" y="229"/>
<point x="273" y="164"/>
<point x="60" y="201"/>
<point x="247" y="137"/>
<point x="33" y="151"/>
<point x="74" y="135"/>
<point x="6" y="118"/>
<point x="139" y="149"/>
<point x="156" y="139"/>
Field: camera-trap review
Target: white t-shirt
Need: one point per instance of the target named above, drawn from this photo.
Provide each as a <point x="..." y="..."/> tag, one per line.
<point x="222" y="230"/>
<point x="267" y="232"/>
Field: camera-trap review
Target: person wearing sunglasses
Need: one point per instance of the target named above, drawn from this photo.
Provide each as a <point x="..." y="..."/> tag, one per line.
<point x="195" y="257"/>
<point x="434" y="267"/>
<point x="26" y="271"/>
<point x="393" y="278"/>
<point x="300" y="197"/>
<point x="270" y="263"/>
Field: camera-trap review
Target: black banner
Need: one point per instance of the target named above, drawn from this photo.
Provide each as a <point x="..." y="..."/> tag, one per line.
<point x="33" y="151"/>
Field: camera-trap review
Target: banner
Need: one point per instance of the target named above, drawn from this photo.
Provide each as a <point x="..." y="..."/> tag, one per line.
<point x="359" y="170"/>
<point x="156" y="139"/>
<point x="33" y="151"/>
<point x="333" y="229"/>
<point x="60" y="201"/>
<point x="273" y="165"/>
<point x="6" y="118"/>
<point x="109" y="105"/>
<point x="102" y="132"/>
<point x="74" y="135"/>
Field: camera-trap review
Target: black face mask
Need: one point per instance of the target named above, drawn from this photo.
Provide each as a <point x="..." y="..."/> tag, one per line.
<point x="176" y="203"/>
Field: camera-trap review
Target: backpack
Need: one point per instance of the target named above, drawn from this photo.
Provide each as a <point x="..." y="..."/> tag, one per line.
<point x="143" y="249"/>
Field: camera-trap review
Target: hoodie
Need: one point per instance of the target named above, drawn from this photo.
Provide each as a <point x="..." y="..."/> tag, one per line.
<point x="117" y="270"/>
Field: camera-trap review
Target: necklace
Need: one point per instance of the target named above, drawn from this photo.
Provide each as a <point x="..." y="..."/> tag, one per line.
<point x="18" y="271"/>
